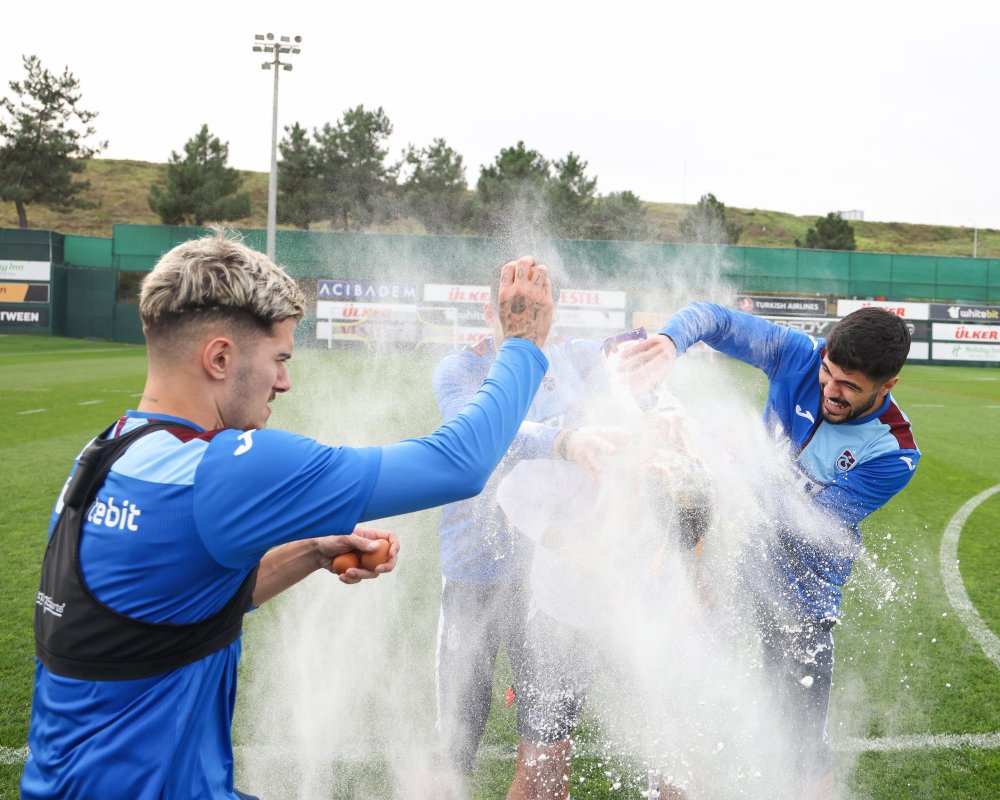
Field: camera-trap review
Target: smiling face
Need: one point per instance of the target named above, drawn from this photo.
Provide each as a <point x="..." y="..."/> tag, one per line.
<point x="260" y="375"/>
<point x="848" y="394"/>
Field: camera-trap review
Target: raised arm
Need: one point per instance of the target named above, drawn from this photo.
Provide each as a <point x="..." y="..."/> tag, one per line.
<point x="455" y="461"/>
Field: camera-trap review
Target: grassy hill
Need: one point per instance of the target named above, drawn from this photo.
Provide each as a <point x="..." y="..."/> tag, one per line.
<point x="120" y="189"/>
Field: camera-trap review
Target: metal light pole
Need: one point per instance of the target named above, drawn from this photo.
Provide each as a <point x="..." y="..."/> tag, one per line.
<point x="286" y="45"/>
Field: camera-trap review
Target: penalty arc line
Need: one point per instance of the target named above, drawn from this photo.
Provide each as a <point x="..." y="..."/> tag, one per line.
<point x="952" y="578"/>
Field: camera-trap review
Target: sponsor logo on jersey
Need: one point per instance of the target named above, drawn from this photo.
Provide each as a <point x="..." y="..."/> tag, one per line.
<point x="806" y="414"/>
<point x="846" y="460"/>
<point x="49" y="606"/>
<point x="247" y="442"/>
<point x="112" y="515"/>
<point x="908" y="461"/>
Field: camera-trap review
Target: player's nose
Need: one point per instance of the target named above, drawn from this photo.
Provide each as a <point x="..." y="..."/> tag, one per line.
<point x="283" y="381"/>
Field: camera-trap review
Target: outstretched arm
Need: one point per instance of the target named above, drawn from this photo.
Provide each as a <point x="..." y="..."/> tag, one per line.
<point x="296" y="487"/>
<point x="750" y="339"/>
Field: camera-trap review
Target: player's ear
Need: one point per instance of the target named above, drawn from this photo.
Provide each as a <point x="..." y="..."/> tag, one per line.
<point x="216" y="358"/>
<point x="889" y="384"/>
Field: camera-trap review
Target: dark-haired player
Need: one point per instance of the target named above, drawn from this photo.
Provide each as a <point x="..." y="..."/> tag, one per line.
<point x="853" y="451"/>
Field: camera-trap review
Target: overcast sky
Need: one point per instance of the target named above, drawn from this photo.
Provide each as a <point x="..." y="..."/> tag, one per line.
<point x="882" y="106"/>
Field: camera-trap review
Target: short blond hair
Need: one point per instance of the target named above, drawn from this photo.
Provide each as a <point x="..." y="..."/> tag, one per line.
<point x="217" y="277"/>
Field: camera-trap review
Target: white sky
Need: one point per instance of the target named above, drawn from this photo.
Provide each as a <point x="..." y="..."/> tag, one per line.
<point x="886" y="106"/>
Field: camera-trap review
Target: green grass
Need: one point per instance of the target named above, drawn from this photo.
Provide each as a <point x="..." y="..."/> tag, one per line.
<point x="51" y="377"/>
<point x="895" y="659"/>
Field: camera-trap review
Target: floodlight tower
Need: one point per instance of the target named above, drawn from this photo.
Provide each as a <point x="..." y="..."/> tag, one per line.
<point x="284" y="46"/>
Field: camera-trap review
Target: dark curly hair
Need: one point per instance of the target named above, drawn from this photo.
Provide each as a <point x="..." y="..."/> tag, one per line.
<point x="872" y="340"/>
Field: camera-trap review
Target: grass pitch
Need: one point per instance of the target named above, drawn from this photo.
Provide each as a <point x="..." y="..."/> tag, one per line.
<point x="929" y="690"/>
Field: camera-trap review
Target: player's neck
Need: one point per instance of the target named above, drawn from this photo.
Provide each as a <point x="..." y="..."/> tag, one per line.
<point x="177" y="399"/>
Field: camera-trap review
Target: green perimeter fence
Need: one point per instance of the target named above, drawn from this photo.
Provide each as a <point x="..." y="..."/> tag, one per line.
<point x="93" y="281"/>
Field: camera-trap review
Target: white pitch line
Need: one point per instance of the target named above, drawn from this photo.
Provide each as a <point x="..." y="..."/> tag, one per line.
<point x="887" y="744"/>
<point x="90" y="402"/>
<point x="925" y="405"/>
<point x="13" y="755"/>
<point x="63" y="352"/>
<point x="33" y="411"/>
<point x="930" y="741"/>
<point x="953" y="585"/>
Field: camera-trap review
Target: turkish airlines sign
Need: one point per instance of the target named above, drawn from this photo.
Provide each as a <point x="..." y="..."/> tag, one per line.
<point x="782" y="306"/>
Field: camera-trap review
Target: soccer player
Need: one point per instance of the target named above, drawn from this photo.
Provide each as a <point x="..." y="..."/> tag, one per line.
<point x="186" y="513"/>
<point x="484" y="560"/>
<point x="585" y="588"/>
<point x="830" y="402"/>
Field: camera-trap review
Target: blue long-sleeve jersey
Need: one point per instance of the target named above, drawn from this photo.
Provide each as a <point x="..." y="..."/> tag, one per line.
<point x="849" y="470"/>
<point x="182" y="518"/>
<point x="477" y="543"/>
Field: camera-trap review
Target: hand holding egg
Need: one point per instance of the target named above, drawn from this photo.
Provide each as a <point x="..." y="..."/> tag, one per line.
<point x="351" y="558"/>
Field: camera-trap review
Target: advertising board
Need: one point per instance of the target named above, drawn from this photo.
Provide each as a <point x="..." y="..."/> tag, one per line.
<point x="782" y="306"/>
<point x="25" y="270"/>
<point x="905" y="310"/>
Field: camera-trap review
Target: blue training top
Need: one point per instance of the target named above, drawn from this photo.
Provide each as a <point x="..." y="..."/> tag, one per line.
<point x="180" y="521"/>
<point x="477" y="543"/>
<point x="849" y="469"/>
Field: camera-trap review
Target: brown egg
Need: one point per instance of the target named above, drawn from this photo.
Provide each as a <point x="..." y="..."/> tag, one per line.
<point x="345" y="561"/>
<point x="379" y="555"/>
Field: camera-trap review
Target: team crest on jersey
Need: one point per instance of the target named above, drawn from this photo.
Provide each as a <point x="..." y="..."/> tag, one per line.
<point x="846" y="460"/>
<point x="548" y="384"/>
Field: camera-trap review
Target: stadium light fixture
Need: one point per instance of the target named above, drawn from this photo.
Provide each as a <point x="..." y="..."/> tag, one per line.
<point x="287" y="46"/>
